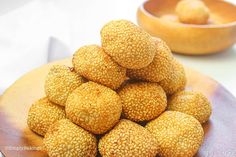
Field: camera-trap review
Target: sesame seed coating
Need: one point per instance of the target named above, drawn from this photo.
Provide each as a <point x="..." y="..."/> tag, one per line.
<point x="192" y="103"/>
<point x="142" y="101"/>
<point x="128" y="139"/>
<point x="176" y="80"/>
<point x="129" y="45"/>
<point x="65" y="139"/>
<point x="192" y="12"/>
<point x="159" y="68"/>
<point x="42" y="114"/>
<point x="60" y="82"/>
<point x="177" y="134"/>
<point x="94" y="107"/>
<point x="94" y="64"/>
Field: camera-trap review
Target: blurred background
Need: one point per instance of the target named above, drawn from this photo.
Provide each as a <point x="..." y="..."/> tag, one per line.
<point x="35" y="32"/>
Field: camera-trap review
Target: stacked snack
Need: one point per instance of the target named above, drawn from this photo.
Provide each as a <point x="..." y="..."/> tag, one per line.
<point x="111" y="90"/>
<point x="178" y="134"/>
<point x="94" y="107"/>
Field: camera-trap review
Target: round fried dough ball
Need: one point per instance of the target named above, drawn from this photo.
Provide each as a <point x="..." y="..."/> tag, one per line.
<point x="178" y="134"/>
<point x="128" y="139"/>
<point x="192" y="103"/>
<point x="64" y="138"/>
<point x="159" y="68"/>
<point x="60" y="82"/>
<point x="142" y="101"/>
<point x="94" y="107"/>
<point x="176" y="79"/>
<point x="94" y="64"/>
<point x="42" y="114"/>
<point x="192" y="12"/>
<point x="129" y="45"/>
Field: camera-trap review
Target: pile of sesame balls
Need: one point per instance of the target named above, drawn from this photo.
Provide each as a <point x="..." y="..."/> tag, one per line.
<point x="124" y="98"/>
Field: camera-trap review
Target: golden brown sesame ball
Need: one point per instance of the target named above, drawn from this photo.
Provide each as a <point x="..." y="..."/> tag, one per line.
<point x="192" y="103"/>
<point x="60" y="82"/>
<point x="128" y="139"/>
<point x="192" y="12"/>
<point x="94" y="107"/>
<point x="159" y="68"/>
<point x="178" y="134"/>
<point x="129" y="45"/>
<point x="176" y="79"/>
<point x="65" y="139"/>
<point x="142" y="101"/>
<point x="42" y="114"/>
<point x="94" y="64"/>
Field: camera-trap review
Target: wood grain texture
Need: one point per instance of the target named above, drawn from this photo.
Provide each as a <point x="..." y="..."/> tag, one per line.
<point x="220" y="131"/>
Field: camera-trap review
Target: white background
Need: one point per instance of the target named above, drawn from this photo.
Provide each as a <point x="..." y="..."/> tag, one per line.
<point x="34" y="32"/>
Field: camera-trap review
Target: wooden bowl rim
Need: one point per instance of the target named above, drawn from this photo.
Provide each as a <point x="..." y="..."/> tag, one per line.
<point x="147" y="13"/>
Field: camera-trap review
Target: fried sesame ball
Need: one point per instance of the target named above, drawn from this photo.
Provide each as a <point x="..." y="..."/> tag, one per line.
<point x="42" y="114"/>
<point x="94" y="107"/>
<point x="128" y="139"/>
<point x="159" y="68"/>
<point x="177" y="134"/>
<point x="192" y="12"/>
<point x="65" y="139"/>
<point x="142" y="101"/>
<point x="94" y="64"/>
<point x="60" y="82"/>
<point x="176" y="79"/>
<point x="193" y="103"/>
<point x="129" y="45"/>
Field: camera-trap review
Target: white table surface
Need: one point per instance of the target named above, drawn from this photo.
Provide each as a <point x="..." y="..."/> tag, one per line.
<point x="77" y="22"/>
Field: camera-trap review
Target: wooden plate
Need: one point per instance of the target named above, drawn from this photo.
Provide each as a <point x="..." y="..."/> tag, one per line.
<point x="17" y="140"/>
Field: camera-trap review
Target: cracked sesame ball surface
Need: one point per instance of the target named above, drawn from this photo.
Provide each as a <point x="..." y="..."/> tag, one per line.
<point x="159" y="68"/>
<point x="60" y="82"/>
<point x="176" y="80"/>
<point x="94" y="64"/>
<point x="142" y="101"/>
<point x="94" y="107"/>
<point x="177" y="134"/>
<point x="128" y="139"/>
<point x="129" y="45"/>
<point x="65" y="139"/>
<point x="192" y="103"/>
<point x="42" y="114"/>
